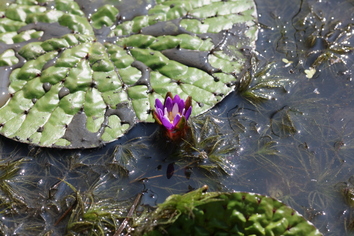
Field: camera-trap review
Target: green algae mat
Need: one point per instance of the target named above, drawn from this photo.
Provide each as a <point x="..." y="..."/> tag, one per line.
<point x="73" y="76"/>
<point x="239" y="213"/>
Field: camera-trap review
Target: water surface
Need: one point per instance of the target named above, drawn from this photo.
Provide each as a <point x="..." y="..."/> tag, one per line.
<point x="293" y="139"/>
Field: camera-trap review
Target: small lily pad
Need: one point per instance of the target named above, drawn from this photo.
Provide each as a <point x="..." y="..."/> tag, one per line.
<point x="81" y="79"/>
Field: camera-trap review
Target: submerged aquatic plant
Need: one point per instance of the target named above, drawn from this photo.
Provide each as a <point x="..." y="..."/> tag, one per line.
<point x="347" y="190"/>
<point x="173" y="115"/>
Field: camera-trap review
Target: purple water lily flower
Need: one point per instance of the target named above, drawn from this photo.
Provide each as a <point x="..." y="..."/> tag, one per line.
<point x="173" y="114"/>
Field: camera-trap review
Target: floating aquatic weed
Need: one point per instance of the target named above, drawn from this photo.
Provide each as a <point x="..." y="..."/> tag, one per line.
<point x="86" y="214"/>
<point x="324" y="40"/>
<point x="266" y="156"/>
<point x="281" y="122"/>
<point x="90" y="213"/>
<point x="14" y="206"/>
<point x="332" y="47"/>
<point x="79" y="223"/>
<point x="258" y="85"/>
<point x="126" y="155"/>
<point x="173" y="115"/>
<point x="7" y="172"/>
<point x="208" y="148"/>
<point x="206" y="151"/>
<point x="276" y="29"/>
<point x="240" y="119"/>
<point x="305" y="179"/>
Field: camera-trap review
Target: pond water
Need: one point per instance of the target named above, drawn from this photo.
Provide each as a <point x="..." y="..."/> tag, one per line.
<point x="285" y="132"/>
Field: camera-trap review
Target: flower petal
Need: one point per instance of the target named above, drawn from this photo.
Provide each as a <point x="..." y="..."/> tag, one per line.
<point x="175" y="110"/>
<point x="188" y="102"/>
<point x="159" y="113"/>
<point x="180" y="106"/>
<point x="166" y="122"/>
<point x="157" y="117"/>
<point x="158" y="104"/>
<point x="188" y="113"/>
<point x="168" y="104"/>
<point x="176" y="120"/>
<point x="177" y="98"/>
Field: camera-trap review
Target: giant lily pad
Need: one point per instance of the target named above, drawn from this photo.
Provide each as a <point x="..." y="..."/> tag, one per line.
<point x="74" y="77"/>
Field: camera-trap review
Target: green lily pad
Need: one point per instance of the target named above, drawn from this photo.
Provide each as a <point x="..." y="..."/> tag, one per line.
<point x="81" y="79"/>
<point x="217" y="213"/>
